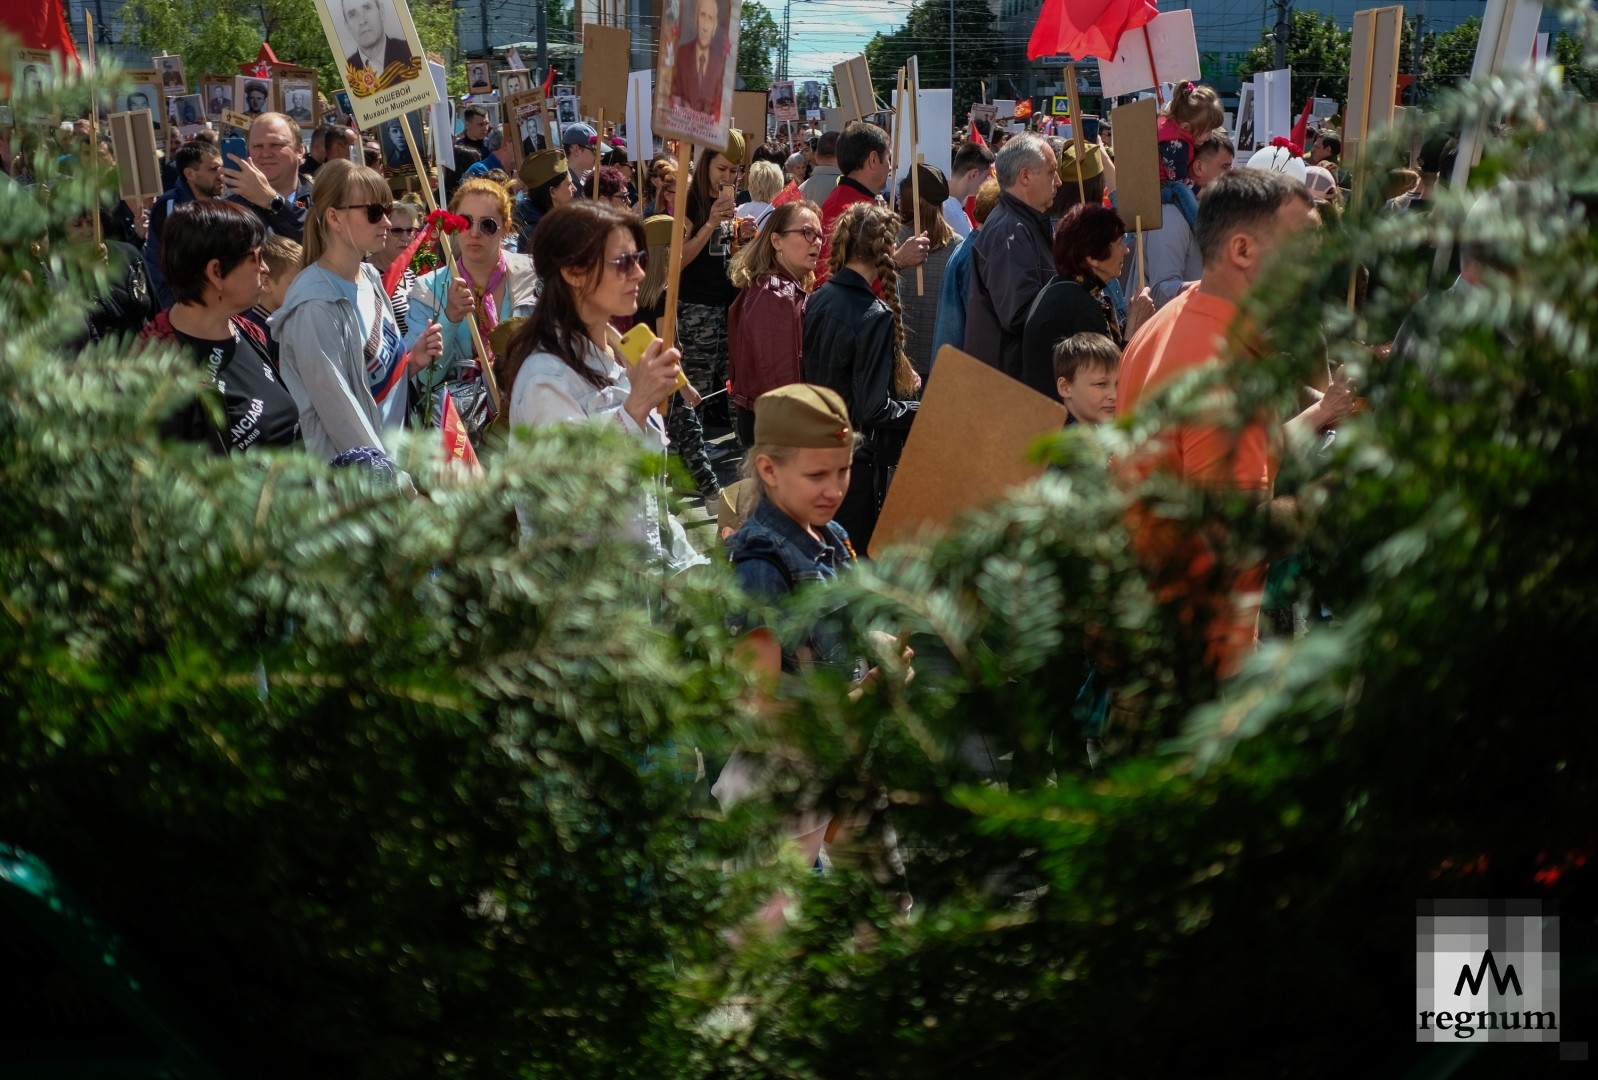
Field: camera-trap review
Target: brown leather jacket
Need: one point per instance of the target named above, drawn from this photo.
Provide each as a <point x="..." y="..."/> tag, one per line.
<point x="765" y="328"/>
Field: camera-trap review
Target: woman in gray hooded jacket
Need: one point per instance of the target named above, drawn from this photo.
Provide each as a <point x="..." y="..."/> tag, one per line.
<point x="343" y="357"/>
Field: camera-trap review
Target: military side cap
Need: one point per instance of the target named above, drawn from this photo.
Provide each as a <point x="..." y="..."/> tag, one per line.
<point x="934" y="188"/>
<point x="542" y="167"/>
<point x="735" y="147"/>
<point x="1092" y="162"/>
<point x="499" y="337"/>
<point x="803" y="415"/>
<point x="657" y="230"/>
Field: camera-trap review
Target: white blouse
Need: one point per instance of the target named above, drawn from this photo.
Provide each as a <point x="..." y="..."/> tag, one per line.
<point x="547" y="391"/>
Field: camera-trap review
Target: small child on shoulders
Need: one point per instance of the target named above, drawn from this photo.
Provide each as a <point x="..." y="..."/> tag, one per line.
<point x="1085" y="368"/>
<point x="1192" y="113"/>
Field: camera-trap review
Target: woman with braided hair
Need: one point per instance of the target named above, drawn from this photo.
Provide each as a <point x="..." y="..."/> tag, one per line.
<point x="854" y="344"/>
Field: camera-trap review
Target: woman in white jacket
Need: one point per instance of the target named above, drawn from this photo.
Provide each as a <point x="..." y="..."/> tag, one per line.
<point x="561" y="367"/>
<point x="343" y="357"/>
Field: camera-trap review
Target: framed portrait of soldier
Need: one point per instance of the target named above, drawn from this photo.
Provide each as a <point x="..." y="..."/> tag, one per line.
<point x="30" y="76"/>
<point x="391" y="140"/>
<point x="296" y="95"/>
<point x="479" y="77"/>
<point x="172" y="78"/>
<point x="145" y="93"/>
<point x="217" y="90"/>
<point x="566" y="110"/>
<point x="380" y="57"/>
<point x="188" y="112"/>
<point x="697" y="66"/>
<point x="252" y="95"/>
<point x="513" y="81"/>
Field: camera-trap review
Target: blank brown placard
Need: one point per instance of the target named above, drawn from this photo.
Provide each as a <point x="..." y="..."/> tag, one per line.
<point x="1137" y="163"/>
<point x="133" y="142"/>
<point x="607" y="54"/>
<point x="968" y="447"/>
<point x="749" y="113"/>
<point x="1372" y="72"/>
<point x="855" y="96"/>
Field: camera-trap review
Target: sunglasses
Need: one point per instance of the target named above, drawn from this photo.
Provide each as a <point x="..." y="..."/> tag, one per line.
<point x="625" y="263"/>
<point x="810" y="233"/>
<point x="375" y="212"/>
<point x="403" y="230"/>
<point x="487" y="226"/>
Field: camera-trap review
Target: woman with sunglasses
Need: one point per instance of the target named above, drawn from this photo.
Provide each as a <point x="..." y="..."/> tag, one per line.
<point x="561" y="365"/>
<point x="492" y="284"/>
<point x="404" y="222"/>
<point x="765" y="325"/>
<point x="341" y="350"/>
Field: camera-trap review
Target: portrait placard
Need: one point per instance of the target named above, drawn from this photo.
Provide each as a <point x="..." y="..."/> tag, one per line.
<point x="513" y="81"/>
<point x="607" y="54"/>
<point x="381" y="60"/>
<point x="479" y="77"/>
<point x="217" y="90"/>
<point x="145" y="93"/>
<point x="172" y="79"/>
<point x="526" y="112"/>
<point x="784" y="105"/>
<point x="697" y="65"/>
<point x="296" y="96"/>
<point x="391" y="140"/>
<point x="188" y="112"/>
<point x="252" y="95"/>
<point x="31" y="75"/>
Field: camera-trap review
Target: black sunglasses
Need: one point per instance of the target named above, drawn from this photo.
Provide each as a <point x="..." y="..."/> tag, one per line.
<point x="375" y="212"/>
<point x="487" y="226"/>
<point x="624" y="262"/>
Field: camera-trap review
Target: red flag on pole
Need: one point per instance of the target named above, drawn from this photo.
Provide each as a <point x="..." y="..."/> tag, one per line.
<point x="36" y="24"/>
<point x="1086" y="27"/>
<point x="457" y="447"/>
<point x="1301" y="129"/>
<point x="549" y="81"/>
<point x="976" y="132"/>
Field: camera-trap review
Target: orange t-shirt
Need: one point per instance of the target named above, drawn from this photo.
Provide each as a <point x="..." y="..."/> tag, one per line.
<point x="1186" y="334"/>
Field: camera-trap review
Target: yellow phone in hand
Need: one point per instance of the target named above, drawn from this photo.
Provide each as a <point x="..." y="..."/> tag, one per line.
<point x="633" y="345"/>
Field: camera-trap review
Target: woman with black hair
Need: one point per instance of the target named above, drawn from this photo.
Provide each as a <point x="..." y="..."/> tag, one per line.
<point x="561" y="366"/>
<point x="211" y="258"/>
<point x="1089" y="251"/>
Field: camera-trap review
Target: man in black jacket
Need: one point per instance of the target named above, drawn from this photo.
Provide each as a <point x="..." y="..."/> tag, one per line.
<point x="1012" y="258"/>
<point x="269" y="180"/>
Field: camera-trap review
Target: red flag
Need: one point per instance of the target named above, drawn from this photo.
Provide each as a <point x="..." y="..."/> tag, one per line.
<point x="36" y="25"/>
<point x="549" y="81"/>
<point x="788" y="194"/>
<point x="1086" y="27"/>
<point x="976" y="132"/>
<point x="1023" y="108"/>
<point x="457" y="447"/>
<point x="1301" y="129"/>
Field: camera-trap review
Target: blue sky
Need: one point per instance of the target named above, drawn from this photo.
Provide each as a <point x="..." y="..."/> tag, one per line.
<point x="826" y="32"/>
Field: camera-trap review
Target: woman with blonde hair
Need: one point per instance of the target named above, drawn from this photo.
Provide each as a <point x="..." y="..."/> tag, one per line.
<point x="343" y="357"/>
<point x="488" y="286"/>
<point x="765" y="325"/>
<point x="854" y="343"/>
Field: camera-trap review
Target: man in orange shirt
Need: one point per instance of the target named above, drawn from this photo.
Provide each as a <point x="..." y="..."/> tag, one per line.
<point x="1244" y="217"/>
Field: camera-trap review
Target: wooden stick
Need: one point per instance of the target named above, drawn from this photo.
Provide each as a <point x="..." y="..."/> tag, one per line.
<point x="479" y="349"/>
<point x="915" y="174"/>
<point x="1076" y="129"/>
<point x="94" y="132"/>
<point x="679" y="215"/>
<point x="1357" y="189"/>
<point x="1142" y="268"/>
<point x="597" y="150"/>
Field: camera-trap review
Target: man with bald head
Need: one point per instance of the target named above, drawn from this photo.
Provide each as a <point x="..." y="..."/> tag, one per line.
<point x="269" y="180"/>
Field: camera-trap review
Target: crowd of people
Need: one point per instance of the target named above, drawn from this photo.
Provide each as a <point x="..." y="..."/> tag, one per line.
<point x="802" y="348"/>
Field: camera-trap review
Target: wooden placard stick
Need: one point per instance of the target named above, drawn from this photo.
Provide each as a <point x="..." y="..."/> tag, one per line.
<point x="912" y="82"/>
<point x="1142" y="267"/>
<point x="1076" y="128"/>
<point x="598" y="150"/>
<point x="94" y="131"/>
<point x="478" y="347"/>
<point x="1364" y="27"/>
<point x="679" y="216"/>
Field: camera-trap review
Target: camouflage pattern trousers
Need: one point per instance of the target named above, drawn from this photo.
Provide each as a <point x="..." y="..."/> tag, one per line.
<point x="702" y="336"/>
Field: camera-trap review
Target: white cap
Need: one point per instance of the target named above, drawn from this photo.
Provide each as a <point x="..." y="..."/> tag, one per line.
<point x="1278" y="159"/>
